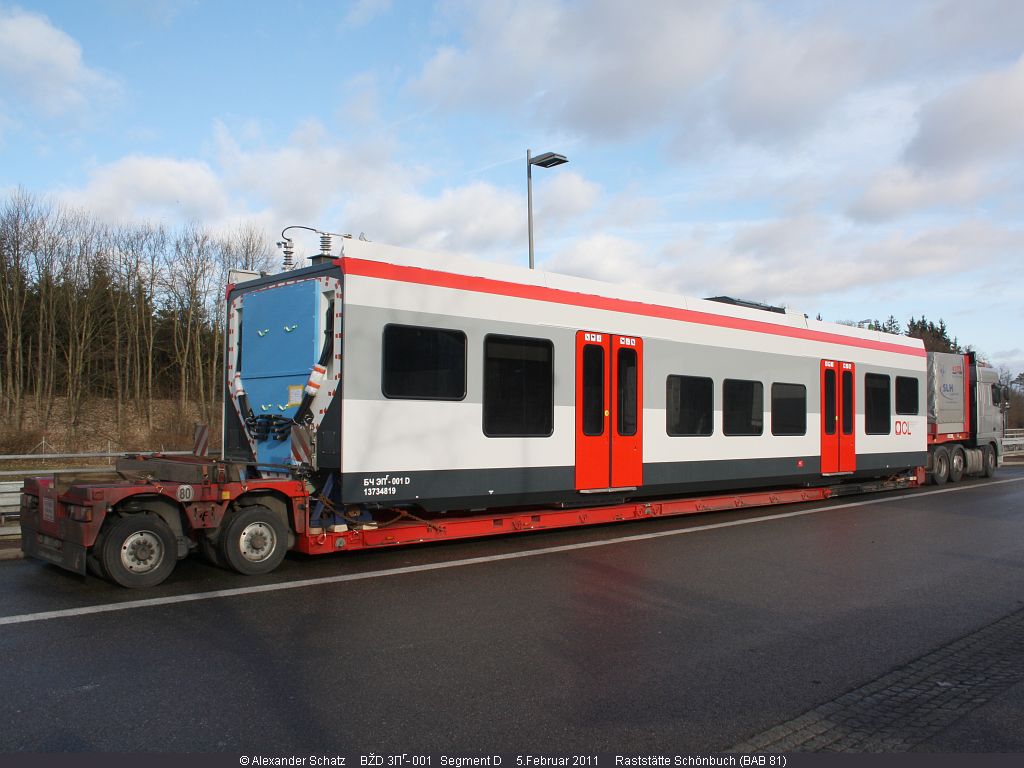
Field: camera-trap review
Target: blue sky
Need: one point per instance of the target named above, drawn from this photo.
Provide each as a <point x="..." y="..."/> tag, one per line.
<point x="847" y="159"/>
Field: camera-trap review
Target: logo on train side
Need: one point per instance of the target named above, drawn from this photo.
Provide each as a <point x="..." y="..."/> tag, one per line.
<point x="593" y="337"/>
<point x="625" y="341"/>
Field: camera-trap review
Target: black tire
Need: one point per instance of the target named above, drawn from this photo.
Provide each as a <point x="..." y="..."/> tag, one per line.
<point x="253" y="540"/>
<point x="940" y="466"/>
<point x="139" y="550"/>
<point x="210" y="551"/>
<point x="94" y="566"/>
<point x="989" y="463"/>
<point x="957" y="465"/>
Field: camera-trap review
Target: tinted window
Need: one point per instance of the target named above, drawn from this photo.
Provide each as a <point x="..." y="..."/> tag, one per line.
<point x="789" y="409"/>
<point x="627" y="394"/>
<point x="847" y="402"/>
<point x="742" y="407"/>
<point x="593" y="390"/>
<point x="830" y="402"/>
<point x="877" y="405"/>
<point x="424" y="363"/>
<point x="688" y="405"/>
<point x="906" y="396"/>
<point x="518" y="387"/>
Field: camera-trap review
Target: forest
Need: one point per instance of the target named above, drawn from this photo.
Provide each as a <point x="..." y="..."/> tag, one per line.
<point x="112" y="334"/>
<point x="127" y="316"/>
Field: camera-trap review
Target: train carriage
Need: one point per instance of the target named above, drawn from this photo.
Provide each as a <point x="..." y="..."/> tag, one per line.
<point x="440" y="384"/>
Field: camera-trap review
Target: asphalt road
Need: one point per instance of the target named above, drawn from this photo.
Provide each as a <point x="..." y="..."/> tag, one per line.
<point x="636" y="643"/>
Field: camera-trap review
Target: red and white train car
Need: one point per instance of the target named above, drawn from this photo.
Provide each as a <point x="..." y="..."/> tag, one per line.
<point x="468" y="386"/>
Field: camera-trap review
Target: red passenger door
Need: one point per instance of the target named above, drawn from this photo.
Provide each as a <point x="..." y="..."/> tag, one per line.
<point x="609" y="411"/>
<point x="838" y="446"/>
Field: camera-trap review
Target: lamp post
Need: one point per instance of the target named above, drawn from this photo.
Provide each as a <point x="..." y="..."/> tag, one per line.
<point x="547" y="160"/>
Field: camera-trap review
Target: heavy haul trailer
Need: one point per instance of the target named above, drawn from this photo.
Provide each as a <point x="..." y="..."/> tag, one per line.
<point x="389" y="397"/>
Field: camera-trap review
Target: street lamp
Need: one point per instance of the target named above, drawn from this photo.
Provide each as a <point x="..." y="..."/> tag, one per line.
<point x="547" y="160"/>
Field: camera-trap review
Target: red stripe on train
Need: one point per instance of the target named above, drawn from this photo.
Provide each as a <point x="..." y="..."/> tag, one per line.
<point x="421" y="276"/>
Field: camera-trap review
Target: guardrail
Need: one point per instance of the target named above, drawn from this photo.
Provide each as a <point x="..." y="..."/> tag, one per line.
<point x="1013" y="442"/>
<point x="10" y="498"/>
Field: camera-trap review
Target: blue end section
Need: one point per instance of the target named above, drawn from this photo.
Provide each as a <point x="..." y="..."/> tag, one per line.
<point x="281" y="340"/>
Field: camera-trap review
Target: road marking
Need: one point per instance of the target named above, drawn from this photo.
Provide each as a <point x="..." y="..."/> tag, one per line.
<point x="152" y="602"/>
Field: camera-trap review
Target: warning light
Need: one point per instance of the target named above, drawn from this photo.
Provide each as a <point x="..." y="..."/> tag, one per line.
<point x="800" y="463"/>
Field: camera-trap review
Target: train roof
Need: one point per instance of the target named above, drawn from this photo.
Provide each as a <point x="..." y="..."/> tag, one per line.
<point x="464" y="266"/>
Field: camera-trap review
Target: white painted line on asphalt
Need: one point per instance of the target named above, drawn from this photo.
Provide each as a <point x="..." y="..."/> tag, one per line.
<point x="152" y="602"/>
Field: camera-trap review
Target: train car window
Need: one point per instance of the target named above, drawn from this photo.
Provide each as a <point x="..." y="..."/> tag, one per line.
<point x="742" y="407"/>
<point x="518" y="387"/>
<point x="789" y="409"/>
<point x="424" y="363"/>
<point x="847" y="402"/>
<point x="830" y="402"/>
<point x="877" y="404"/>
<point x="593" y="390"/>
<point x="627" y="392"/>
<point x="907" y="396"/>
<point x="689" y="409"/>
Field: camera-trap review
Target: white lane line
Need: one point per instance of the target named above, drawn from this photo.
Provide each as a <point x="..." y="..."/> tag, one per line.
<point x="151" y="602"/>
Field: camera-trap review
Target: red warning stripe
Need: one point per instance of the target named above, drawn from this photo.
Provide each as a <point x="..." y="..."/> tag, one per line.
<point x="421" y="276"/>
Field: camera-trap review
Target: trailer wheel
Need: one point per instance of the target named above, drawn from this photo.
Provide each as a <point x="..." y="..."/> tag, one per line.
<point x="139" y="550"/>
<point x="940" y="466"/>
<point x="254" y="540"/>
<point x="988" y="461"/>
<point x="957" y="465"/>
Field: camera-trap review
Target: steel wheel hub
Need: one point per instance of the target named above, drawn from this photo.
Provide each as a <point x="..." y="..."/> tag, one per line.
<point x="142" y="552"/>
<point x="257" y="542"/>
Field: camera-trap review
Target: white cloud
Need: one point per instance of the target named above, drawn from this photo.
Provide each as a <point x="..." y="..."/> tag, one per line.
<point x="308" y="177"/>
<point x="699" y="70"/>
<point x="152" y="187"/>
<point x="604" y="257"/>
<point x="43" y="66"/>
<point x="564" y="196"/>
<point x="784" y="78"/>
<point x="318" y="181"/>
<point x="605" y="67"/>
<point x="901" y="190"/>
<point x="977" y="121"/>
<point x="478" y="219"/>
<point x="795" y="261"/>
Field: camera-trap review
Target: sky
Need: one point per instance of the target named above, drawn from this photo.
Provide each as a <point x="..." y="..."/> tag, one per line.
<point x="853" y="160"/>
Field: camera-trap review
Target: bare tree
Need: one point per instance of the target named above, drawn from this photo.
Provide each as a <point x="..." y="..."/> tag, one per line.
<point x="189" y="281"/>
<point x="247" y="247"/>
<point x="46" y="270"/>
<point x="82" y="252"/>
<point x="20" y="226"/>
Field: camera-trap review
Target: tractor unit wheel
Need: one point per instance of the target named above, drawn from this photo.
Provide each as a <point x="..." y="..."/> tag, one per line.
<point x="989" y="463"/>
<point x="253" y="540"/>
<point x="139" y="550"/>
<point x="957" y="464"/>
<point x="940" y="466"/>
